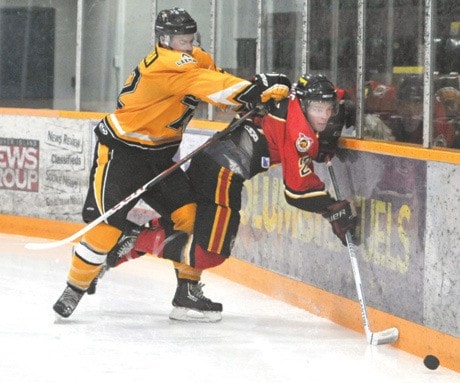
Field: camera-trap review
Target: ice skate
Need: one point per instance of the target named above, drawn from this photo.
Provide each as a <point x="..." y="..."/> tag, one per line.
<point x="92" y="287"/>
<point x="124" y="246"/>
<point x="68" y="301"/>
<point x="191" y="305"/>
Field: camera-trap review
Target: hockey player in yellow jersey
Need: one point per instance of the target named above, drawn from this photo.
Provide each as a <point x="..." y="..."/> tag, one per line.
<point x="161" y="94"/>
<point x="139" y="140"/>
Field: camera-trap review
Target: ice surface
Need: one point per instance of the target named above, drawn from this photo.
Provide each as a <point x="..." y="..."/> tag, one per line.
<point x="123" y="334"/>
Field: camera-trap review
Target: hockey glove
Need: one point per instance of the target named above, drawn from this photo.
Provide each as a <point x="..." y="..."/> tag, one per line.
<point x="328" y="141"/>
<point x="342" y="218"/>
<point x="325" y="153"/>
<point x="276" y="92"/>
<point x="265" y="87"/>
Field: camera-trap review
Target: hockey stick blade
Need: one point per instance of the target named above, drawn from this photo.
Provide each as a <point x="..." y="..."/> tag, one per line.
<point x="389" y="335"/>
<point x="148" y="185"/>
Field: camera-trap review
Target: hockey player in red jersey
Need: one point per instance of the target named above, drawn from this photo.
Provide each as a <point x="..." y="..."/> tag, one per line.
<point x="294" y="134"/>
<point x="140" y="138"/>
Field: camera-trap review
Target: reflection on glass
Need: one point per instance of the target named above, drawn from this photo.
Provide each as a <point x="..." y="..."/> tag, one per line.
<point x="31" y="40"/>
<point x="446" y="110"/>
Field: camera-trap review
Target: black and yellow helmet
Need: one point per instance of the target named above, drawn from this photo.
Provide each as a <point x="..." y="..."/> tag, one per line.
<point x="174" y="21"/>
<point x="315" y="87"/>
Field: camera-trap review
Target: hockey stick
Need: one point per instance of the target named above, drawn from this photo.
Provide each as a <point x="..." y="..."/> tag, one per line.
<point x="389" y="335"/>
<point x="216" y="137"/>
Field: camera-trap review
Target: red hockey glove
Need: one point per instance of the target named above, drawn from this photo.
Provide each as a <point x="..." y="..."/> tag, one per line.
<point x="342" y="218"/>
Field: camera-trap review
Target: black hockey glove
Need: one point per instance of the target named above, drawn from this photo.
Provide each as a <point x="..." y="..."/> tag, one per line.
<point x="326" y="153"/>
<point x="265" y="88"/>
<point x="342" y="219"/>
<point x="328" y="141"/>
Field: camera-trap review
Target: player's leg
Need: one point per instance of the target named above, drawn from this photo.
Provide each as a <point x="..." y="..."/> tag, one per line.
<point x="172" y="238"/>
<point x="88" y="258"/>
<point x="121" y="250"/>
<point x="114" y="175"/>
<point x="217" y="190"/>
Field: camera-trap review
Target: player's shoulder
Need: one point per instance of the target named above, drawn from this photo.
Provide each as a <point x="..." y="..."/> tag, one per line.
<point x="170" y="60"/>
<point x="199" y="52"/>
<point x="203" y="58"/>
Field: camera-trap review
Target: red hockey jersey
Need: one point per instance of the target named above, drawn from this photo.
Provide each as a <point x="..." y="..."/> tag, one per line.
<point x="293" y="143"/>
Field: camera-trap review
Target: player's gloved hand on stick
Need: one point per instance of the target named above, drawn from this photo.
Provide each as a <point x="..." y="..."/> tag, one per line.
<point x="342" y="218"/>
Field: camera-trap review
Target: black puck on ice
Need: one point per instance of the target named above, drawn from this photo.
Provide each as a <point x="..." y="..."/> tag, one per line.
<point x="431" y="362"/>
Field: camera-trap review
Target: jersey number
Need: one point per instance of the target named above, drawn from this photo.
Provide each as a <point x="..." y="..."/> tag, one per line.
<point x="130" y="86"/>
<point x="191" y="103"/>
<point x="304" y="166"/>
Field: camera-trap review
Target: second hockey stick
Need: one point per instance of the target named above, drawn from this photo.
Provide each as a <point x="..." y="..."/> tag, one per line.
<point x="148" y="185"/>
<point x="389" y="335"/>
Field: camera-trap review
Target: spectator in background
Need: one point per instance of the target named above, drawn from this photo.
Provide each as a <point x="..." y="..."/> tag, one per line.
<point x="379" y="105"/>
<point x="449" y="97"/>
<point x="396" y="113"/>
<point x="407" y="122"/>
<point x="399" y="175"/>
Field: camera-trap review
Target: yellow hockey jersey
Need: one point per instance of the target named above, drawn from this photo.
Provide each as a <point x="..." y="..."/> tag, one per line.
<point x="160" y="96"/>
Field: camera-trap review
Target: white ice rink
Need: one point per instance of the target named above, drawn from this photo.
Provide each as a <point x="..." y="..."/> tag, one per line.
<point x="123" y="334"/>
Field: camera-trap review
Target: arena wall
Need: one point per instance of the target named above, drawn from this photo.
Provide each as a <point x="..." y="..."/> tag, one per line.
<point x="407" y="200"/>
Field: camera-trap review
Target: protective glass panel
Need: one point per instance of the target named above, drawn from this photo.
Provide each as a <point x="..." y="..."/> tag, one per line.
<point x="281" y="45"/>
<point x="236" y="42"/>
<point x="394" y="62"/>
<point x="446" y="103"/>
<point x="332" y="40"/>
<point x="394" y="65"/>
<point x="31" y="38"/>
<point x="116" y="35"/>
<point x="332" y="51"/>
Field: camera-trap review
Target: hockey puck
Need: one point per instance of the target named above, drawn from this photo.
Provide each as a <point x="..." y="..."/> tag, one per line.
<point x="431" y="362"/>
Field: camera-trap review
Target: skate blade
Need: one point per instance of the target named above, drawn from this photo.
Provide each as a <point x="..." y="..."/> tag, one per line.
<point x="58" y="318"/>
<point x="188" y="315"/>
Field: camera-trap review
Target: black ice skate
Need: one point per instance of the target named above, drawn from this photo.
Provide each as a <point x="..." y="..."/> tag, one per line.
<point x="191" y="305"/>
<point x="124" y="246"/>
<point x="68" y="301"/>
<point x="92" y="287"/>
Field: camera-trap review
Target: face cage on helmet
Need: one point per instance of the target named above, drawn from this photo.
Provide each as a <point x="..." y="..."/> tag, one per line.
<point x="306" y="103"/>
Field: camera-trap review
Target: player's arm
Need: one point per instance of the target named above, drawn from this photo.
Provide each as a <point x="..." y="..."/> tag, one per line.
<point x="227" y="91"/>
